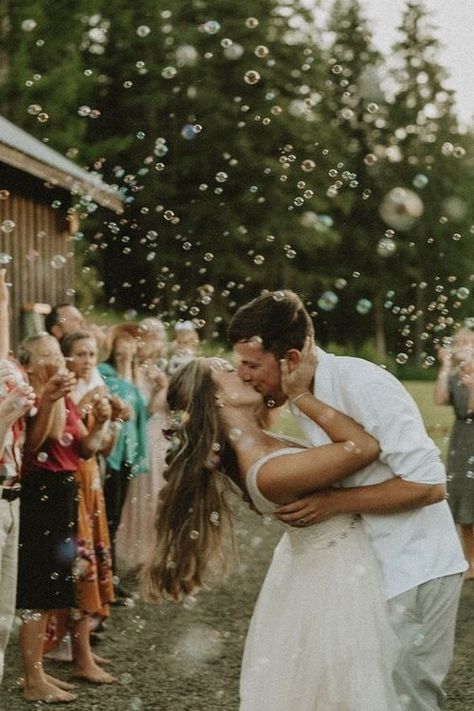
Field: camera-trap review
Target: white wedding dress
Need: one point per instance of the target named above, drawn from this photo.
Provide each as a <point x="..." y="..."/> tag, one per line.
<point x="319" y="638"/>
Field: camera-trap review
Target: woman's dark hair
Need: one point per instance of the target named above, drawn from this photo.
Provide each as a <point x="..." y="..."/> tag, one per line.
<point x="278" y="319"/>
<point x="67" y="342"/>
<point x="193" y="526"/>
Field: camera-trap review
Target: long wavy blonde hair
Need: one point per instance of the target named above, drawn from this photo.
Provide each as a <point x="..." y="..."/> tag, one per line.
<point x="194" y="537"/>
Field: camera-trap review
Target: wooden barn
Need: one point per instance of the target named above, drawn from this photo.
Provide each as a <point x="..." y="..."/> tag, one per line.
<point x="38" y="187"/>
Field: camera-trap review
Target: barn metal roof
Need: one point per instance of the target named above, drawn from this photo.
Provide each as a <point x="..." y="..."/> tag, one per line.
<point x="21" y="150"/>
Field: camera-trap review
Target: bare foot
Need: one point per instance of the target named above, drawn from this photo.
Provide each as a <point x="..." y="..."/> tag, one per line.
<point x="469" y="574"/>
<point x="60" y="683"/>
<point x="100" y="660"/>
<point x="49" y="693"/>
<point x="94" y="674"/>
<point x="53" y="681"/>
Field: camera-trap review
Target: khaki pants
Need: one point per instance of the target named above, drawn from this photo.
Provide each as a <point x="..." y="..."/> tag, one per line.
<point x="424" y="619"/>
<point x="9" y="519"/>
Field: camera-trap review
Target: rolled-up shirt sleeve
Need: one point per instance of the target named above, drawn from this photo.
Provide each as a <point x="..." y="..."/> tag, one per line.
<point x="389" y="413"/>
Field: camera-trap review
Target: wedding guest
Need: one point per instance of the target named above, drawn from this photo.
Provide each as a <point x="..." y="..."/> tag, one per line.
<point x="134" y="535"/>
<point x="55" y="441"/>
<point x="184" y="346"/>
<point x="63" y="318"/>
<point x="16" y="399"/>
<point x="94" y="586"/>
<point x="129" y="457"/>
<point x="455" y="387"/>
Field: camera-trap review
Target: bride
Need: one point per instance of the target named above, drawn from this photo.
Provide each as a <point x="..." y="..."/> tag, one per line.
<point x="319" y="639"/>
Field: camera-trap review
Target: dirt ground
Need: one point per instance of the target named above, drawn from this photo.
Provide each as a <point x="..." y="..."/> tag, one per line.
<point x="187" y="657"/>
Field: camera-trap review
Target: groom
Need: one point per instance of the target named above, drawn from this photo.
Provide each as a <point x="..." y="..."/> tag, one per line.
<point x="400" y="497"/>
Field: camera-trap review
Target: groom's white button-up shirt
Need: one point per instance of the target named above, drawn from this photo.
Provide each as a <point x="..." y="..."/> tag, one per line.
<point x="413" y="546"/>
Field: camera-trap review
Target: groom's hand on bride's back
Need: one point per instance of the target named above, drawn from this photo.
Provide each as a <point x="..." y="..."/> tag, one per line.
<point x="309" y="509"/>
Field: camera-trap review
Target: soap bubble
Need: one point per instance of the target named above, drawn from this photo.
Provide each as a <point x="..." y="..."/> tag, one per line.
<point x="58" y="261"/>
<point x="363" y="306"/>
<point x="143" y="30"/>
<point x="400" y="208"/>
<point x="328" y="300"/>
<point x="251" y="76"/>
<point x="386" y="247"/>
<point x="211" y="27"/>
<point x="7" y="226"/>
<point x="28" y="25"/>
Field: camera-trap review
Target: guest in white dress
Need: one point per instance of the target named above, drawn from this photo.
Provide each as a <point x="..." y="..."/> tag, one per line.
<point x="135" y="534"/>
<point x="319" y="639"/>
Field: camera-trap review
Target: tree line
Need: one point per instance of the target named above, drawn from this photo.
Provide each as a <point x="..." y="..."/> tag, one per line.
<point x="257" y="146"/>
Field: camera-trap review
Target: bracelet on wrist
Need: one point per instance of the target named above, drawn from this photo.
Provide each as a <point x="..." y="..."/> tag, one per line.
<point x="298" y="397"/>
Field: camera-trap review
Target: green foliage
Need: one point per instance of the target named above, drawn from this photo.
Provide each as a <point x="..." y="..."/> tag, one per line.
<point x="236" y="182"/>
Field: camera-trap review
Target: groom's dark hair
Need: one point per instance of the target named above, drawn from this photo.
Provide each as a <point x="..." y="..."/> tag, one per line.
<point x="278" y="318"/>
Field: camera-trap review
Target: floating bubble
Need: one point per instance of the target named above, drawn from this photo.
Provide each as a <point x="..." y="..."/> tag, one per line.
<point x="370" y="159"/>
<point x="463" y="293"/>
<point x="261" y="51"/>
<point x="400" y="208"/>
<point x="251" y="22"/>
<point x="66" y="440"/>
<point x="143" y="30"/>
<point x="186" y="55"/>
<point x="125" y="678"/>
<point x="420" y="181"/>
<point x="7" y="226"/>
<point x="251" y="76"/>
<point x="221" y="176"/>
<point x="340" y="283"/>
<point x="189" y="132"/>
<point x="401" y="358"/>
<point x="308" y="165"/>
<point x="28" y="25"/>
<point x="42" y="457"/>
<point x="259" y="259"/>
<point x="58" y="261"/>
<point x="363" y="306"/>
<point x="336" y="69"/>
<point x="211" y="27"/>
<point x="199" y="643"/>
<point x="372" y="108"/>
<point x="386" y="247"/>
<point x="4" y="194"/>
<point x="214" y="518"/>
<point x="84" y="110"/>
<point x="328" y="301"/>
<point x="43" y="117"/>
<point x="34" y="109"/>
<point x="233" y="52"/>
<point x="169" y="72"/>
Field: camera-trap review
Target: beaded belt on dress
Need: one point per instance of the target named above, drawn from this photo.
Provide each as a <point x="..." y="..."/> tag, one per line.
<point x="317" y="538"/>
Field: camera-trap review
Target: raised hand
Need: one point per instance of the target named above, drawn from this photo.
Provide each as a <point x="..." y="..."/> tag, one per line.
<point x="17" y="403"/>
<point x="4" y="294"/>
<point x="59" y="385"/>
<point x="102" y="410"/>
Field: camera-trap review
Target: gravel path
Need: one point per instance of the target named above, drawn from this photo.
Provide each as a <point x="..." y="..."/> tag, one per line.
<point x="187" y="658"/>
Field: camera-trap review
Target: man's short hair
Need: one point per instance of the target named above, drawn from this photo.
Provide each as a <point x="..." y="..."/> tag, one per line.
<point x="277" y="318"/>
<point x="53" y="318"/>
